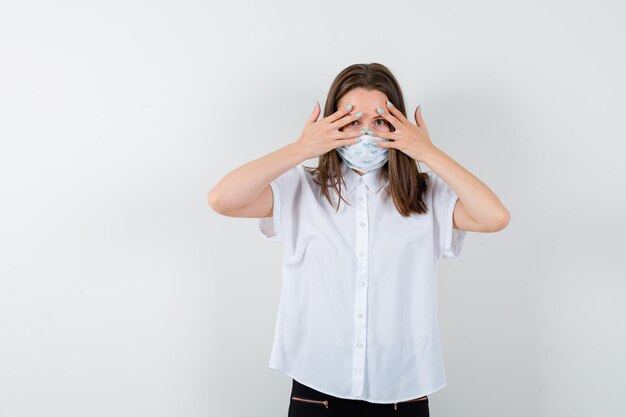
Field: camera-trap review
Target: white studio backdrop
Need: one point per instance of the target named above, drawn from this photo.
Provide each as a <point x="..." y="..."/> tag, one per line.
<point x="123" y="294"/>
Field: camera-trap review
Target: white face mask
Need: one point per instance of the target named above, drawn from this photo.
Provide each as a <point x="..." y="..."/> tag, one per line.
<point x="363" y="156"/>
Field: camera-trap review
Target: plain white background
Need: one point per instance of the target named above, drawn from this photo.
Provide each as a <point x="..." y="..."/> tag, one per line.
<point x="123" y="294"/>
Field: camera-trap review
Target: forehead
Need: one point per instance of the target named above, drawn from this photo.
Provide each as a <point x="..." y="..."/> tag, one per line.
<point x="360" y="97"/>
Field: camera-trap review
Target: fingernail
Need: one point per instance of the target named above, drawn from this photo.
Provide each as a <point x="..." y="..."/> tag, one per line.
<point x="380" y="110"/>
<point x="363" y="131"/>
<point x="420" y="108"/>
<point x="389" y="104"/>
<point x="374" y="143"/>
<point x="357" y="140"/>
<point x="359" y="114"/>
<point x="349" y="107"/>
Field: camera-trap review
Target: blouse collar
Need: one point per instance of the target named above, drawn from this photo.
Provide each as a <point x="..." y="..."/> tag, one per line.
<point x="373" y="179"/>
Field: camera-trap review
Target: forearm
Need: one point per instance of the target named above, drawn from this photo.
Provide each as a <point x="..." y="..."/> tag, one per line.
<point x="242" y="186"/>
<point x="479" y="201"/>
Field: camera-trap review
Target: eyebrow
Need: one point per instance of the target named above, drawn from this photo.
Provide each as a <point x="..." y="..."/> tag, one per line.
<point x="376" y="115"/>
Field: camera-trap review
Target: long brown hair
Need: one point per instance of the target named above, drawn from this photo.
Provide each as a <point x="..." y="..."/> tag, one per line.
<point x="406" y="183"/>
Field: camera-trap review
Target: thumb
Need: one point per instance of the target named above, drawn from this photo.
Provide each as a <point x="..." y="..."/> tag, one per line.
<point x="315" y="114"/>
<point x="418" y="116"/>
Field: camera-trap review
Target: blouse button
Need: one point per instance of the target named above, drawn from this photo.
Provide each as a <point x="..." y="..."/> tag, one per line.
<point x="361" y="180"/>
<point x="360" y="198"/>
<point x="361" y="253"/>
<point x="362" y="224"/>
<point x="360" y="315"/>
<point x="362" y="283"/>
<point x="359" y="344"/>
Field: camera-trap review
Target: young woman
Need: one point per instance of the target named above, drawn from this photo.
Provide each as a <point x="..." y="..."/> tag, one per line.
<point x="357" y="323"/>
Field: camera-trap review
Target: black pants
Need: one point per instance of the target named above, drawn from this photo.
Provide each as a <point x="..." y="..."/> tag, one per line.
<point x="307" y="402"/>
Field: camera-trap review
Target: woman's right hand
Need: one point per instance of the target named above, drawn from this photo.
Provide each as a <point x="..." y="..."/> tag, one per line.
<point x="321" y="136"/>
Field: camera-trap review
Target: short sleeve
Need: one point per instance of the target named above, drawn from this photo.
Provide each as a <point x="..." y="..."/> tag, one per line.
<point x="444" y="199"/>
<point x="284" y="189"/>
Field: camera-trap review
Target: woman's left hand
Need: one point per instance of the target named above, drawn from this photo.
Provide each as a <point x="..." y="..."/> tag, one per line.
<point x="410" y="139"/>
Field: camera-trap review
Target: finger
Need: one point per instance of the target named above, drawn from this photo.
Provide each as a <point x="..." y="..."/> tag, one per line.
<point x="345" y="120"/>
<point x="397" y="113"/>
<point x="345" y="136"/>
<point x="382" y="144"/>
<point x="389" y="117"/>
<point x="339" y="113"/>
<point x="386" y="135"/>
<point x="346" y="142"/>
<point x="314" y="115"/>
<point x="418" y="116"/>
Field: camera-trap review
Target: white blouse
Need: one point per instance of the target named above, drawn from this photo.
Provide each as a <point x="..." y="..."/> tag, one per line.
<point x="357" y="316"/>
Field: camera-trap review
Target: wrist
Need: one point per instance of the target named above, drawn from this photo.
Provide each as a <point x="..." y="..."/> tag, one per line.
<point x="297" y="151"/>
<point x="431" y="155"/>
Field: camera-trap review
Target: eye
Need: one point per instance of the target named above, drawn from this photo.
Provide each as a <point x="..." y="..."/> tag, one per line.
<point x="384" y="122"/>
